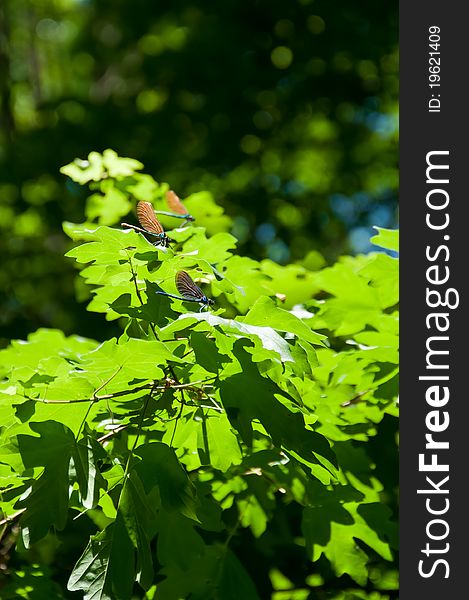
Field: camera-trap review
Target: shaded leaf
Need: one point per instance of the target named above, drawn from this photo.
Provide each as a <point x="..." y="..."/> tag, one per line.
<point x="46" y="500"/>
<point x="105" y="570"/>
<point x="160" y="467"/>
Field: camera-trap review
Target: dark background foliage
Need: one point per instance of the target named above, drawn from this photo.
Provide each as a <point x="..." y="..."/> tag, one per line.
<point x="285" y="111"/>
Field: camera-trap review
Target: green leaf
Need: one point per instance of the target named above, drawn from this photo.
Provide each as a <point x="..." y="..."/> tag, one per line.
<point x="383" y="346"/>
<point x="143" y="187"/>
<point x="206" y="352"/>
<point x="248" y="396"/>
<point x="330" y="528"/>
<point x="183" y="436"/>
<point x="83" y="171"/>
<point x="268" y="337"/>
<point x="265" y="312"/>
<point x="160" y="467"/>
<point x="179" y="544"/>
<point x="214" y="249"/>
<point x="220" y="446"/>
<point x="356" y="302"/>
<point x="383" y="273"/>
<point x="22" y="358"/>
<point x="253" y="515"/>
<point x="98" y="166"/>
<point x="109" y="207"/>
<point x="386" y="238"/>
<point x="296" y="282"/>
<point x="234" y="581"/>
<point x="105" y="570"/>
<point x="46" y="500"/>
<point x="120" y="167"/>
<point x="119" y="362"/>
<point x="206" y="212"/>
<point x="86" y="454"/>
<point x="137" y="515"/>
<point x="217" y="573"/>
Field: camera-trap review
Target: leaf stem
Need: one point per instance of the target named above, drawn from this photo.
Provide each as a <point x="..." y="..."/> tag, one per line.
<point x="95" y="398"/>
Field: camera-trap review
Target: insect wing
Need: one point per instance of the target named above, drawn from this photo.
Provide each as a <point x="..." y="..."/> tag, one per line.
<point x="175" y="204"/>
<point x="147" y="218"/>
<point x="186" y="287"/>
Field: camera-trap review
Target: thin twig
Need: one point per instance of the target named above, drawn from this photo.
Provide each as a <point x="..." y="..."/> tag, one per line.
<point x="177" y="417"/>
<point x="358" y="397"/>
<point x="147" y="386"/>
<point x="107" y="381"/>
<point x="112" y="433"/>
<point x="12" y="517"/>
<point x="139" y="429"/>
<point x="137" y="291"/>
<point x="93" y="400"/>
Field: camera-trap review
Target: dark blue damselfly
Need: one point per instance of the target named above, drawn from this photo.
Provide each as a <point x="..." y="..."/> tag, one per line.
<point x="190" y="292"/>
<point x="178" y="208"/>
<point x="148" y="220"/>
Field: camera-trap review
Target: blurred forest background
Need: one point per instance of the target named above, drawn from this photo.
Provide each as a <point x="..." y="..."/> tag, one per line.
<point x="286" y="111"/>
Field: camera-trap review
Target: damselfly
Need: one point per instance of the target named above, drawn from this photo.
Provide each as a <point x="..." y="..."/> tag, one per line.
<point x="190" y="292"/>
<point x="178" y="208"/>
<point x="148" y="220"/>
